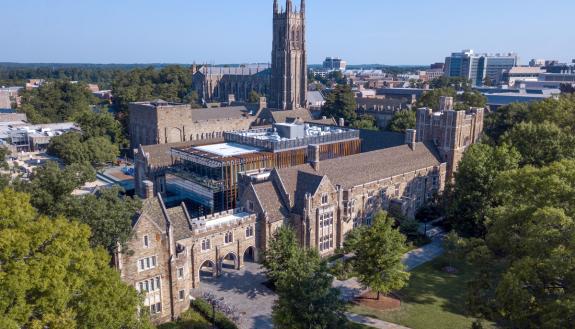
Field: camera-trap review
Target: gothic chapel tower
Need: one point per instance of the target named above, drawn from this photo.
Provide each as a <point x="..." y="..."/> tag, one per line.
<point x="289" y="63"/>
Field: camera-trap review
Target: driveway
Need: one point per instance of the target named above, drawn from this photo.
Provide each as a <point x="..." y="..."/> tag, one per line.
<point x="244" y="290"/>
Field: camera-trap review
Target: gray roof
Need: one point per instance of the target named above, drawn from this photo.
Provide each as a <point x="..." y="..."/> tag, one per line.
<point x="161" y="156"/>
<point x="246" y="70"/>
<point x="314" y="97"/>
<point x="372" y="140"/>
<point x="271" y="200"/>
<point x="281" y="116"/>
<point x="361" y="168"/>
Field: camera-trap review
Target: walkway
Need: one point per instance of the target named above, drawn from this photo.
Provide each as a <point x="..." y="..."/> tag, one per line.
<point x="417" y="257"/>
<point x="373" y="322"/>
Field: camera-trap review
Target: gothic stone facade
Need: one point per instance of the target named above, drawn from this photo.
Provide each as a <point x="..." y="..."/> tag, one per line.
<point x="168" y="251"/>
<point x="161" y="122"/>
<point x="216" y="84"/>
<point x="289" y="61"/>
<point x="451" y="131"/>
<point x="325" y="200"/>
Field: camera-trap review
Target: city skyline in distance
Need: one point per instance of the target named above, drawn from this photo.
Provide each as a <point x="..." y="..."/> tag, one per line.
<point x="367" y="32"/>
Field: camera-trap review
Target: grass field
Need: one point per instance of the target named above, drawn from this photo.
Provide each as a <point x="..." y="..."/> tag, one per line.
<point x="433" y="299"/>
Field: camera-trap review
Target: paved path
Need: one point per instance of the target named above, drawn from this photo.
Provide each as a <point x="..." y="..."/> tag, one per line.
<point x="373" y="322"/>
<point x="417" y="257"/>
<point x="243" y="289"/>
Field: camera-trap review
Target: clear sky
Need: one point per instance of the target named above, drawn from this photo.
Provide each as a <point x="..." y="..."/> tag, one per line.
<point x="239" y="31"/>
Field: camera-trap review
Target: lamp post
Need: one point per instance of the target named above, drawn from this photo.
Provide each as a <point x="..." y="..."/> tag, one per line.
<point x="214" y="301"/>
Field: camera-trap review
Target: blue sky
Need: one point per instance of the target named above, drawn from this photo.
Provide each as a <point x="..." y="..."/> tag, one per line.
<point x="239" y="31"/>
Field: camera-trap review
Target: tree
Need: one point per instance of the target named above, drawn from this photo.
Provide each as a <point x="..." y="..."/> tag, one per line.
<point x="100" y="124"/>
<point x="283" y="246"/>
<point x="529" y="249"/>
<point x="56" y="101"/>
<point x="450" y="82"/>
<point x="567" y="88"/>
<point x="4" y="178"/>
<point x="51" y="278"/>
<point x="431" y="98"/>
<point x="340" y="103"/>
<point x="378" y="253"/>
<point x="306" y="298"/>
<point x="487" y="82"/>
<point x="472" y="194"/>
<point x="540" y="143"/>
<point x="506" y="117"/>
<point x="471" y="98"/>
<point x="108" y="214"/>
<point x="254" y="97"/>
<point x="73" y="147"/>
<point x="402" y="121"/>
<point x="51" y="187"/>
<point x="365" y="122"/>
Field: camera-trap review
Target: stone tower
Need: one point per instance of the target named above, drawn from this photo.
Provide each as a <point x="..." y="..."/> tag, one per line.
<point x="289" y="63"/>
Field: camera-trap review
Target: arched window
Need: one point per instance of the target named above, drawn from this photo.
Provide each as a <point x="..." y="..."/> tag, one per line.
<point x="249" y="231"/>
<point x="206" y="244"/>
<point x="229" y="238"/>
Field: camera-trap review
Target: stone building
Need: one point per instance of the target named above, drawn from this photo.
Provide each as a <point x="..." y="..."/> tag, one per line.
<point x="215" y="84"/>
<point x="289" y="62"/>
<point x="451" y="131"/>
<point x="324" y="200"/>
<point x="169" y="251"/>
<point x="160" y="122"/>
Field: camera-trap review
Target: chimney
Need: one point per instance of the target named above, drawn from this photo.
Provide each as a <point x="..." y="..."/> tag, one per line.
<point x="445" y="103"/>
<point x="341" y="122"/>
<point x="148" y="190"/>
<point x="411" y="138"/>
<point x="313" y="155"/>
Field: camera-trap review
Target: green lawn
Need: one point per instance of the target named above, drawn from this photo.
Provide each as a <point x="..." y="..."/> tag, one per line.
<point x="433" y="299"/>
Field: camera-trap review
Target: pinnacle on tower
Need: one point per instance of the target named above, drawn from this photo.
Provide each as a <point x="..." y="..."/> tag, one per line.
<point x="288" y="6"/>
<point x="276" y="10"/>
<point x="302" y="6"/>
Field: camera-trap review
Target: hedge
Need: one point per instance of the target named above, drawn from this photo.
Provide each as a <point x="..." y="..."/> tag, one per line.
<point x="222" y="322"/>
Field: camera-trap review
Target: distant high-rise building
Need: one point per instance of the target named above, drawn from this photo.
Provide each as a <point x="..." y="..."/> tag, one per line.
<point x="289" y="63"/>
<point x="334" y="63"/>
<point x="537" y="62"/>
<point x="477" y="67"/>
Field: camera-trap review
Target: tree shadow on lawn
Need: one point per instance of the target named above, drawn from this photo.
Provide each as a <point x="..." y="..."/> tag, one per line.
<point x="429" y="284"/>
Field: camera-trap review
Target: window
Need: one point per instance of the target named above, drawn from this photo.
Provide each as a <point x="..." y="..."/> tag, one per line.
<point x="155" y="308"/>
<point x="250" y="205"/>
<point x="147" y="263"/>
<point x="249" y="231"/>
<point x="181" y="273"/>
<point x="326" y="231"/>
<point x="397" y="186"/>
<point x="146" y="241"/>
<point x="206" y="244"/>
<point x="324" y="198"/>
<point x="182" y="294"/>
<point x="150" y="285"/>
<point x="229" y="238"/>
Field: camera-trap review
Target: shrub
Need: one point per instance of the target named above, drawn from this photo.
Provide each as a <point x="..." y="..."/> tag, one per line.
<point x="205" y="309"/>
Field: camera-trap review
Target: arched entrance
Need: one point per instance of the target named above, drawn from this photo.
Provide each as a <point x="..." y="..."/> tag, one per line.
<point x="207" y="269"/>
<point x="250" y="255"/>
<point x="230" y="261"/>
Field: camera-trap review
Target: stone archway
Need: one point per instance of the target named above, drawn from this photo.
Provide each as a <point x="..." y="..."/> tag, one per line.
<point x="230" y="261"/>
<point x="250" y="255"/>
<point x="207" y="270"/>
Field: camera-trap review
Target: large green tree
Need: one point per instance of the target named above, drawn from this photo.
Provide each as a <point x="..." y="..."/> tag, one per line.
<point x="56" y="101"/>
<point x="73" y="147"/>
<point x="306" y="298"/>
<point x="340" y="103"/>
<point x="283" y="246"/>
<point x="402" y="121"/>
<point x="472" y="193"/>
<point x="50" y="277"/>
<point x="431" y="98"/>
<point x="109" y="215"/>
<point x="529" y="249"/>
<point x="378" y="253"/>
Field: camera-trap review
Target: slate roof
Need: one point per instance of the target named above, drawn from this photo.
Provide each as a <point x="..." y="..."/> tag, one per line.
<point x="361" y="168"/>
<point x="180" y="222"/>
<point x="372" y="140"/>
<point x="281" y="116"/>
<point x="271" y="200"/>
<point x="152" y="210"/>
